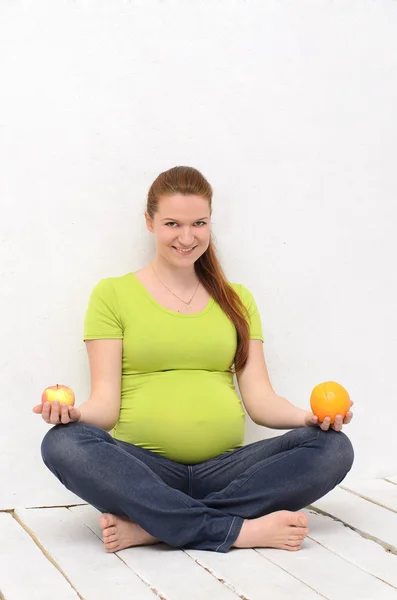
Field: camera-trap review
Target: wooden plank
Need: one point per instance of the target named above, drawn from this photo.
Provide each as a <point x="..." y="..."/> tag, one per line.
<point x="351" y="546"/>
<point x="33" y="485"/>
<point x="25" y="572"/>
<point x="95" y="573"/>
<point x="249" y="574"/>
<point x="380" y="491"/>
<point x="169" y="570"/>
<point x="329" y="574"/>
<point x="370" y="520"/>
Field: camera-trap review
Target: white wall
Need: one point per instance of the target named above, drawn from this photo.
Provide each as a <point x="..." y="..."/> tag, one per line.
<point x="287" y="107"/>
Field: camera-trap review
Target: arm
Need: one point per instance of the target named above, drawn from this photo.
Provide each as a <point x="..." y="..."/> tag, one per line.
<point x="103" y="406"/>
<point x="262" y="403"/>
<point x="277" y="412"/>
<point x="266" y="408"/>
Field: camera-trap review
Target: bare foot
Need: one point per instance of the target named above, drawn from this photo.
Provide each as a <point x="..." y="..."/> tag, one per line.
<point x="119" y="533"/>
<point x="282" y="529"/>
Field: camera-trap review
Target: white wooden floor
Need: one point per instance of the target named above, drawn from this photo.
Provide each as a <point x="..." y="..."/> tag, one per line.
<point x="351" y="553"/>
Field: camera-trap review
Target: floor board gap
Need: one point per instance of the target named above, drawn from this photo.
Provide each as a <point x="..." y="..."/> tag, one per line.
<point x="367" y="536"/>
<point x="227" y="584"/>
<point x="367" y="498"/>
<point x="55" y="506"/>
<point x="44" y="551"/>
<point x="154" y="590"/>
<point x="291" y="574"/>
<point x="353" y="563"/>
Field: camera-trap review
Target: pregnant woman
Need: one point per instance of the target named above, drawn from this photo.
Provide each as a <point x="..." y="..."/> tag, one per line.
<point x="158" y="447"/>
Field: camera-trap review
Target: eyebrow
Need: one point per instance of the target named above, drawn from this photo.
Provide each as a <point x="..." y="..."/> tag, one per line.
<point x="176" y="220"/>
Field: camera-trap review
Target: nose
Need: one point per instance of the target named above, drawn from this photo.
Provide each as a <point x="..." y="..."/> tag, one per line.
<point x="186" y="240"/>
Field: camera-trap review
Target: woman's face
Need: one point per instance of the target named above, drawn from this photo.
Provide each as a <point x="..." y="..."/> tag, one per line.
<point x="182" y="222"/>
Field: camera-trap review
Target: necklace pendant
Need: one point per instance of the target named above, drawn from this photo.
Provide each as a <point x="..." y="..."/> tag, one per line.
<point x="188" y="307"/>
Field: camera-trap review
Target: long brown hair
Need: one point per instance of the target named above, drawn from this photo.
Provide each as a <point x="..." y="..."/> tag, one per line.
<point x="186" y="180"/>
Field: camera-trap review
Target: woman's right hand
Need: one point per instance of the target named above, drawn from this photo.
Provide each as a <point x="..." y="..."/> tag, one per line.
<point x="55" y="414"/>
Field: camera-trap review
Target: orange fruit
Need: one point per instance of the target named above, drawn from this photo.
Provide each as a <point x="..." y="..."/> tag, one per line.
<point x="329" y="399"/>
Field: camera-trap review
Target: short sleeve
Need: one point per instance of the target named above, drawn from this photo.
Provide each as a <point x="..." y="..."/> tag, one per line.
<point x="102" y="318"/>
<point x="248" y="299"/>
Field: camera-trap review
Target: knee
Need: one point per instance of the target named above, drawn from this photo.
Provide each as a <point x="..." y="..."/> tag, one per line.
<point x="59" y="442"/>
<point x="339" y="450"/>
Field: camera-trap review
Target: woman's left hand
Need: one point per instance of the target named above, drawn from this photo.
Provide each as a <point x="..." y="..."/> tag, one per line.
<point x="311" y="420"/>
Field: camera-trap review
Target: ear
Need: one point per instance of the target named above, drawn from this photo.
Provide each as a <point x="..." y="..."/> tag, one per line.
<point x="149" y="222"/>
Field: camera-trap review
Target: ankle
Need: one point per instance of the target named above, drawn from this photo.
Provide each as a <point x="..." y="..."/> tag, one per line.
<point x="245" y="534"/>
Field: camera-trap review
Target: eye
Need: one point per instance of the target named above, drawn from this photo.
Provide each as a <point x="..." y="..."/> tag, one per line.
<point x="173" y="223"/>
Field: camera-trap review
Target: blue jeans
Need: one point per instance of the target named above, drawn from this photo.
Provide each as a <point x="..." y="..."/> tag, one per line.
<point x="201" y="506"/>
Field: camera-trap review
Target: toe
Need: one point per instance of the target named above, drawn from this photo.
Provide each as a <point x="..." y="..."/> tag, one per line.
<point x="108" y="531"/>
<point x="303" y="519"/>
<point x="111" y="546"/>
<point x="294" y="543"/>
<point x="299" y="519"/>
<point x="289" y="548"/>
<point x="294" y="538"/>
<point x="104" y="520"/>
<point x="107" y="520"/>
<point x="297" y="531"/>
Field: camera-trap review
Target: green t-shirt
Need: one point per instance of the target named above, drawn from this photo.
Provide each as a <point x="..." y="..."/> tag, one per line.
<point x="177" y="391"/>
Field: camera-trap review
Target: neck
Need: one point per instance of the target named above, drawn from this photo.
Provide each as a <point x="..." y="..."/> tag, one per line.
<point x="180" y="278"/>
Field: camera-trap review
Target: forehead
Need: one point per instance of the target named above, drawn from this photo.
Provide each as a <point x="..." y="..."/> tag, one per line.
<point x="183" y="207"/>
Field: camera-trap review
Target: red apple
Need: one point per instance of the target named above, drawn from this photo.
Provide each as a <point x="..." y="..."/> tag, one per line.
<point x="62" y="393"/>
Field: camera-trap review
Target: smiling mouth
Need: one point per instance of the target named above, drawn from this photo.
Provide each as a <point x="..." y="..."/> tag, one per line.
<point x="186" y="249"/>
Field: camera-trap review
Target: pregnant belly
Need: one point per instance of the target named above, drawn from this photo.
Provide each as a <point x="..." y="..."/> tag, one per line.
<point x="187" y="416"/>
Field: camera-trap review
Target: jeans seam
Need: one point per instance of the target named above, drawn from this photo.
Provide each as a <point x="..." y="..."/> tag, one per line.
<point x="227" y="535"/>
<point x="276" y="458"/>
<point x="144" y="465"/>
<point x="262" y="467"/>
<point x="190" y="473"/>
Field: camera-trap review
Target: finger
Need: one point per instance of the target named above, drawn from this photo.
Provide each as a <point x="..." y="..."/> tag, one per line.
<point x="73" y="414"/>
<point x="336" y="427"/>
<point x="64" y="413"/>
<point x="46" y="412"/>
<point x="348" y="417"/>
<point x="325" y="424"/>
<point x="311" y="420"/>
<point x="338" y="422"/>
<point x="55" y="409"/>
<point x="351" y="403"/>
<point x="38" y="409"/>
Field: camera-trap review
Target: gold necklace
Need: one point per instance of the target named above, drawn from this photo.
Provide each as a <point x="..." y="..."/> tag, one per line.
<point x="188" y="303"/>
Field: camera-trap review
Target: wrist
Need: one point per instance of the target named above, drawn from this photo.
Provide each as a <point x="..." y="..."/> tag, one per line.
<point x="308" y="419"/>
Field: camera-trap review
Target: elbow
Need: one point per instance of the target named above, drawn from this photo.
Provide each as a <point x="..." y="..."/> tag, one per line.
<point x="108" y="427"/>
<point x="110" y="423"/>
<point x="256" y="419"/>
<point x="101" y="422"/>
<point x="99" y="413"/>
<point x="261" y="419"/>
